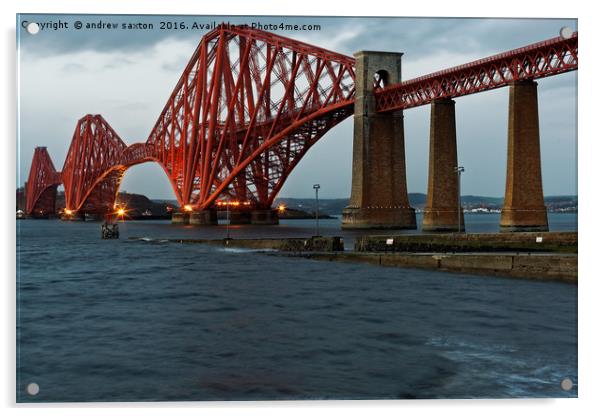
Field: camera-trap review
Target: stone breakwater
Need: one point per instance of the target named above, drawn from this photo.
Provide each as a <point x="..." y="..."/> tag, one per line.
<point x="532" y="242"/>
<point x="546" y="267"/>
<point x="539" y="256"/>
<point x="319" y="244"/>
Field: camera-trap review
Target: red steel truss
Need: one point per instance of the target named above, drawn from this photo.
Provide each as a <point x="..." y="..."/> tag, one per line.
<point x="246" y="109"/>
<point x="539" y="60"/>
<point x="96" y="162"/>
<point x="40" y="188"/>
<point x="92" y="171"/>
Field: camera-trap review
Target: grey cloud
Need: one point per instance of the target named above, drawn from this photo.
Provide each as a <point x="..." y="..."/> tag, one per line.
<point x="176" y="65"/>
<point x="117" y="63"/>
<point x="415" y="36"/>
<point x="73" y="67"/>
<point x="126" y="105"/>
<point x="52" y="42"/>
<point x="70" y="40"/>
<point x="426" y="35"/>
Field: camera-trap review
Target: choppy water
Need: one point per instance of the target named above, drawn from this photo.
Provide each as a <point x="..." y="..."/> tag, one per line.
<point x="136" y="321"/>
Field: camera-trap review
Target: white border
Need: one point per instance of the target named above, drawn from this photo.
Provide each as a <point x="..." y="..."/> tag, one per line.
<point x="589" y="198"/>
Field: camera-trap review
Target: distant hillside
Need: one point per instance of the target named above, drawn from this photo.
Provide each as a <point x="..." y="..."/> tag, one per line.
<point x="327" y="206"/>
<point x="418" y="200"/>
<point x="139" y="205"/>
<point x="475" y="199"/>
<point x="136" y="204"/>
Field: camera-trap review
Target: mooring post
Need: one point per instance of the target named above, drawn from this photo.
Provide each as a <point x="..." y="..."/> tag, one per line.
<point x="109" y="229"/>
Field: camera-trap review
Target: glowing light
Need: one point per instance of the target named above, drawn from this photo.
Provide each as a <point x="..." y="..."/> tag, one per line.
<point x="281" y="208"/>
<point x="121" y="212"/>
<point x="187" y="208"/>
<point x="231" y="203"/>
<point x="68" y="211"/>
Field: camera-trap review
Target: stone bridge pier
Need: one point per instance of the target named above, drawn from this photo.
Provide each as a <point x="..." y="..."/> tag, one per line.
<point x="441" y="208"/>
<point x="524" y="208"/>
<point x="379" y="197"/>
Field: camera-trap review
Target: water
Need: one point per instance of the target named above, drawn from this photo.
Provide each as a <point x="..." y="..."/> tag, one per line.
<point x="124" y="320"/>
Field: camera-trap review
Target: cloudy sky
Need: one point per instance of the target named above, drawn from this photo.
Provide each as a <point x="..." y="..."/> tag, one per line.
<point x="127" y="77"/>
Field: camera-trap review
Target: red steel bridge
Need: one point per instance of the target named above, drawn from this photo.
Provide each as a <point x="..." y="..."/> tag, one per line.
<point x="246" y="109"/>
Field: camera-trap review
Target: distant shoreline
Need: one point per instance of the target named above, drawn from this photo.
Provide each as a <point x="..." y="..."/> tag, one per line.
<point x="303" y="208"/>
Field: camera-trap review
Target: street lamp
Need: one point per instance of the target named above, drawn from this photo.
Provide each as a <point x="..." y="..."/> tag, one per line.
<point x="317" y="188"/>
<point x="459" y="170"/>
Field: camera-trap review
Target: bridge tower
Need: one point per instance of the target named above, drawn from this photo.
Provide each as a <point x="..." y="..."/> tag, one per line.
<point x="379" y="197"/>
<point x="441" y="208"/>
<point x="524" y="208"/>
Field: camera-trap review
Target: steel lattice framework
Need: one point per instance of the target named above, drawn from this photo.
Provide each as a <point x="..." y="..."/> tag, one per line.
<point x="96" y="162"/>
<point x="539" y="60"/>
<point x="92" y="171"/>
<point x="41" y="186"/>
<point x="247" y="108"/>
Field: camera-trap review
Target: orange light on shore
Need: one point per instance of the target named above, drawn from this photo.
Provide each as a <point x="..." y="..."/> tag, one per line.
<point x="281" y="208"/>
<point x="188" y="208"/>
<point x="232" y="203"/>
<point x="121" y="212"/>
<point x="68" y="211"/>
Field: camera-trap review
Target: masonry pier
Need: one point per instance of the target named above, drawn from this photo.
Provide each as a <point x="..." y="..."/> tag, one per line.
<point x="442" y="205"/>
<point x="180" y="218"/>
<point x="264" y="217"/>
<point x="379" y="197"/>
<point x="239" y="217"/>
<point x="524" y="208"/>
<point x="203" y="217"/>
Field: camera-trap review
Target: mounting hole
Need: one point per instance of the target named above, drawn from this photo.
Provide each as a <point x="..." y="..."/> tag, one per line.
<point x="566" y="32"/>
<point x="33" y="28"/>
<point x="33" y="389"/>
<point x="566" y="384"/>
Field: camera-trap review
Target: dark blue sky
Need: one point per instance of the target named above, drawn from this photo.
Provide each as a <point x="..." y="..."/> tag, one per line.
<point x="127" y="77"/>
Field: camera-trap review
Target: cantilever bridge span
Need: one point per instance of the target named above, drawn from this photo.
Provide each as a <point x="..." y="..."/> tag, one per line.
<point x="248" y="107"/>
